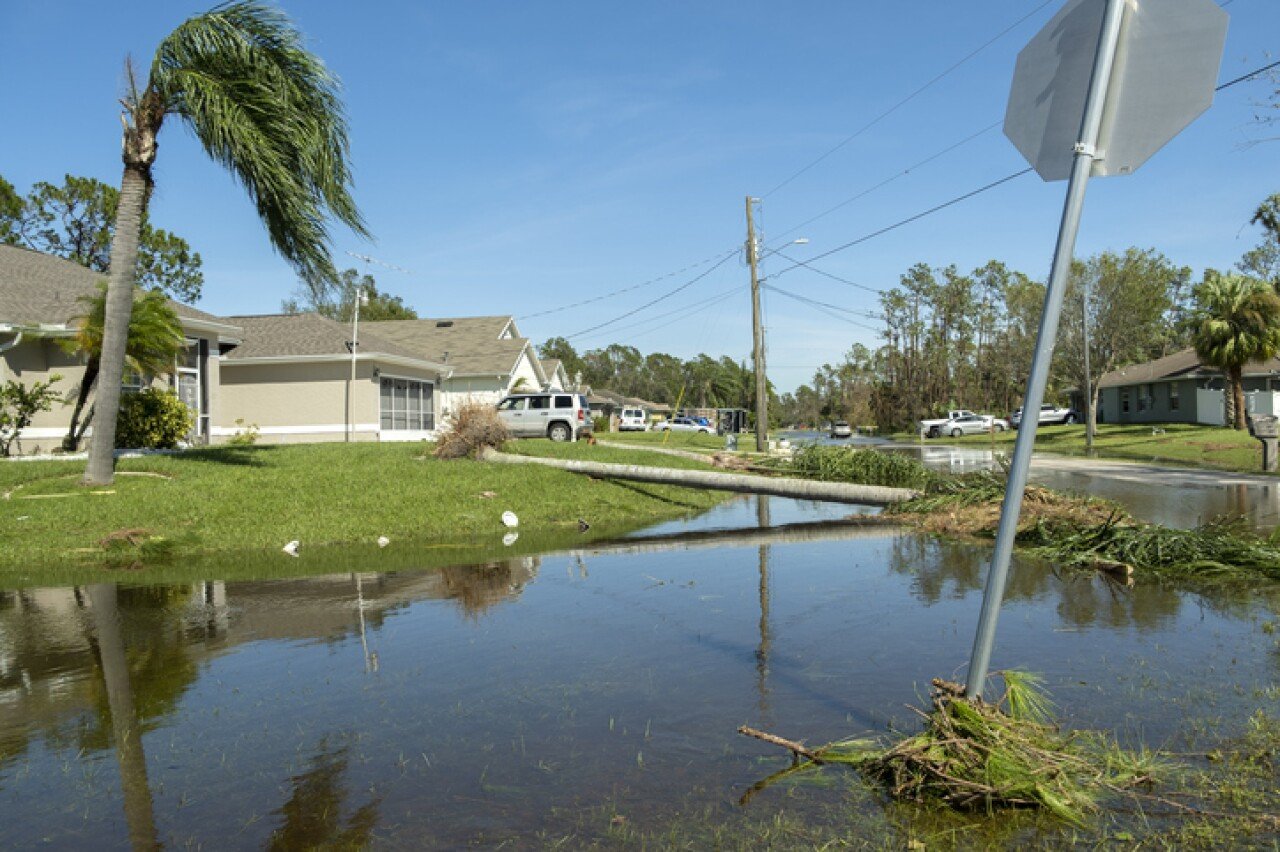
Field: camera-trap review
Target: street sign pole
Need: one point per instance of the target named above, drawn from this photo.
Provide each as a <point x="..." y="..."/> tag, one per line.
<point x="1082" y="164"/>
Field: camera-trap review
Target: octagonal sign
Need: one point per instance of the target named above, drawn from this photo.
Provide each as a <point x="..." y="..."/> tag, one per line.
<point x="1164" y="74"/>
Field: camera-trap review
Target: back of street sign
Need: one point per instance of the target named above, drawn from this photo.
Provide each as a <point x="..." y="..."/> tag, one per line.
<point x="1164" y="74"/>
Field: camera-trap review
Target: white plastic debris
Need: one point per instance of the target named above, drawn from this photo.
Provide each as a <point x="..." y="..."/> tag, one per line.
<point x="383" y="541"/>
<point x="291" y="548"/>
<point x="510" y="538"/>
<point x="510" y="519"/>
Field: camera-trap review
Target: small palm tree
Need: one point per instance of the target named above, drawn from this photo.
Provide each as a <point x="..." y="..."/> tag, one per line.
<point x="1237" y="321"/>
<point x="262" y="106"/>
<point x="155" y="338"/>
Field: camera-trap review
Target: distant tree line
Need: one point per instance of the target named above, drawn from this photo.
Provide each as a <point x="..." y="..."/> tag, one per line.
<point x="698" y="382"/>
<point x="954" y="340"/>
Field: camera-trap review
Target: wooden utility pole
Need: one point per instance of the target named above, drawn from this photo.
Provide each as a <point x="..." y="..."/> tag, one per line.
<point x="757" y="333"/>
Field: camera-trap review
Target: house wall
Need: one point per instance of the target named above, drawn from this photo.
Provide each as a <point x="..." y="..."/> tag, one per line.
<point x="38" y="359"/>
<point x="483" y="389"/>
<point x="1157" y="407"/>
<point x="307" y="402"/>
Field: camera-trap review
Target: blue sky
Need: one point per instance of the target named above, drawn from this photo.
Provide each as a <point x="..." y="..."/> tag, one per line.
<point x="517" y="157"/>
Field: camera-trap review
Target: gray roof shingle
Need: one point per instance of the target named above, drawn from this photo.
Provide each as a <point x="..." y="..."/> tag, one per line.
<point x="469" y="345"/>
<point x="306" y="335"/>
<point x="1183" y="363"/>
<point x="40" y="289"/>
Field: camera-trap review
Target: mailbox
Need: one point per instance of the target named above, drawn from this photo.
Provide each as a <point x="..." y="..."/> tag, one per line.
<point x="1264" y="426"/>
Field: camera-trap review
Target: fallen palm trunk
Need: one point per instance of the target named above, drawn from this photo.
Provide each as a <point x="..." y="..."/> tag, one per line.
<point x="800" y="489"/>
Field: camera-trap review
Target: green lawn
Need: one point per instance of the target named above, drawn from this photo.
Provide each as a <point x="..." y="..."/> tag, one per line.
<point x="677" y="440"/>
<point x="238" y="506"/>
<point x="1183" y="444"/>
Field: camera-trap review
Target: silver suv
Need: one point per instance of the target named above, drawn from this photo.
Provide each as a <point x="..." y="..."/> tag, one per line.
<point x="559" y="416"/>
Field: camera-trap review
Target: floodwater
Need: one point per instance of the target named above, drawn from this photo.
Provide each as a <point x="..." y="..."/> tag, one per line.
<point x="1184" y="504"/>
<point x="590" y="695"/>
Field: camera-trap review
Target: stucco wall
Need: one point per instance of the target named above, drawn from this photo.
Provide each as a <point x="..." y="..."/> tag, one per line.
<point x="37" y="360"/>
<point x="305" y="402"/>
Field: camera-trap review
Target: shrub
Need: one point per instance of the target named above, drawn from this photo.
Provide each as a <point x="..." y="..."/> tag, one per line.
<point x="245" y="436"/>
<point x="19" y="405"/>
<point x="152" y="419"/>
<point x="600" y="423"/>
<point x="865" y="467"/>
<point x="470" y="428"/>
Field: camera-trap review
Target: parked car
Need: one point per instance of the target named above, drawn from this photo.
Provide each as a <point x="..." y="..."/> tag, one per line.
<point x="841" y="429"/>
<point x="926" y="426"/>
<point x="558" y="416"/>
<point x="1048" y="414"/>
<point x="683" y="424"/>
<point x="633" y="420"/>
<point x="967" y="424"/>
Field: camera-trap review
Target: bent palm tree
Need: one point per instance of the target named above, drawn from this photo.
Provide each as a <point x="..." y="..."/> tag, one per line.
<point x="262" y="106"/>
<point x="1237" y="321"/>
<point x="152" y="345"/>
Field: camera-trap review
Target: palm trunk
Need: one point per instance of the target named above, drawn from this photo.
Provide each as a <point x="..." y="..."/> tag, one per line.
<point x="139" y="811"/>
<point x="1237" y="396"/>
<point x="76" y="429"/>
<point x="134" y="188"/>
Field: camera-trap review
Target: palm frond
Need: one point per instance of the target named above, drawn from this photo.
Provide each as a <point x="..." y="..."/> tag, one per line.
<point x="268" y="110"/>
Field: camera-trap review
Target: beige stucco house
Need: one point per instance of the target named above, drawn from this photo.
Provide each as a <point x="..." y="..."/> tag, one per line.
<point x="487" y="356"/>
<point x="41" y="298"/>
<point x="291" y="377"/>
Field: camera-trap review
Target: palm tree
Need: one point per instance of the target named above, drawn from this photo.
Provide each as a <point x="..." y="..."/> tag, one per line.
<point x="263" y="107"/>
<point x="151" y="347"/>
<point x="1237" y="321"/>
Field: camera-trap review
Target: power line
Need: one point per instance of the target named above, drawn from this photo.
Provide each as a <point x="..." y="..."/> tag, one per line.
<point x="681" y="309"/>
<point x="809" y="266"/>
<point x="661" y="298"/>
<point x="909" y="97"/>
<point x="944" y="205"/>
<point x="619" y="292"/>
<point x="891" y="179"/>
<point x="824" y="308"/>
<point x="1250" y="75"/>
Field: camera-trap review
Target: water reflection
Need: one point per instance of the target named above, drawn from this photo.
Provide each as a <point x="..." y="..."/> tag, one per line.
<point x="945" y="570"/>
<point x="125" y="723"/>
<point x="483" y="704"/>
<point x="312" y="816"/>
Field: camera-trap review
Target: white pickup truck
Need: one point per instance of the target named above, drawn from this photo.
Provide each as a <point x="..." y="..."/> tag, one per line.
<point x="926" y="425"/>
<point x="961" y="422"/>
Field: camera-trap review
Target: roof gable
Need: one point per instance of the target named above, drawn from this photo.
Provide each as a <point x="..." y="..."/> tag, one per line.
<point x="470" y="345"/>
<point x="40" y="289"/>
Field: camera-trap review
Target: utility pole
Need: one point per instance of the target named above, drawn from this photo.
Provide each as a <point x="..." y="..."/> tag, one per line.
<point x="757" y="334"/>
<point x="1089" y="415"/>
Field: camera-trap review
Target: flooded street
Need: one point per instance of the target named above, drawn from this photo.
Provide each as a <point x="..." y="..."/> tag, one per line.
<point x="580" y="695"/>
<point x="1183" y="499"/>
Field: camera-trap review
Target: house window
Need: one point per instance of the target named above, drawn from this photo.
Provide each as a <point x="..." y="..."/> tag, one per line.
<point x="1174" y="402"/>
<point x="407" y="405"/>
<point x="1146" y="396"/>
<point x="132" y="381"/>
<point x="1124" y="400"/>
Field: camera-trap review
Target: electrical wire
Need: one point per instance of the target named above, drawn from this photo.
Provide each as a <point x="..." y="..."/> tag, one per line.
<point x="824" y="308"/>
<point x="622" y="290"/>
<point x="809" y="266"/>
<point x="653" y="302"/>
<point x="1264" y="69"/>
<point x="890" y="179"/>
<point x="910" y="97"/>
<point x="901" y="222"/>
<point x="681" y="309"/>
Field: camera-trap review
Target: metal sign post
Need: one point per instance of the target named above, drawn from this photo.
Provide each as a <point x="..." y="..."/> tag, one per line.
<point x="1145" y="75"/>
